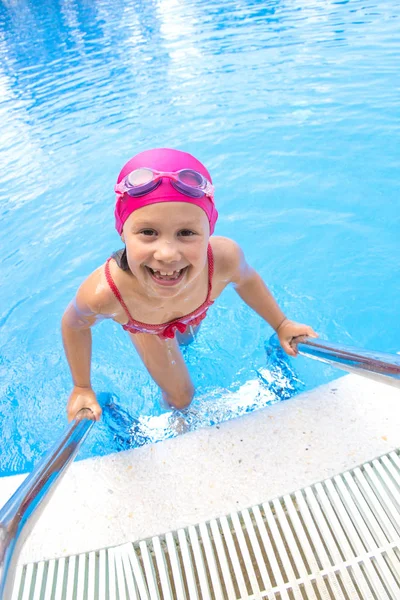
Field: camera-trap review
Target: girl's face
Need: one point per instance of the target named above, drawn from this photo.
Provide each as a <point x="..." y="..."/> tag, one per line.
<point x="166" y="246"/>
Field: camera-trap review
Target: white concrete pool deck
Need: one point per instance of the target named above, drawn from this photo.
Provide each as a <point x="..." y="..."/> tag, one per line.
<point x="208" y="473"/>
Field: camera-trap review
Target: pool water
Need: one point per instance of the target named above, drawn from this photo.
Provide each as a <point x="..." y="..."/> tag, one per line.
<point x="294" y="108"/>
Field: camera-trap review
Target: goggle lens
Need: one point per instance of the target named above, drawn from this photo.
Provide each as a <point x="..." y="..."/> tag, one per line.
<point x="191" y="178"/>
<point x="140" y="177"/>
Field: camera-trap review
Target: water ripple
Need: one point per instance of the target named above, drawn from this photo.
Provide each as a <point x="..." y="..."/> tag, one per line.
<point x="294" y="108"/>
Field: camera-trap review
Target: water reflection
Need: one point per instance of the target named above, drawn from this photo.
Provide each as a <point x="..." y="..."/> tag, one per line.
<point x="294" y="107"/>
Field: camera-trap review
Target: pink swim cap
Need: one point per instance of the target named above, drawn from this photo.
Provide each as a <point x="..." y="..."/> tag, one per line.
<point x="162" y="159"/>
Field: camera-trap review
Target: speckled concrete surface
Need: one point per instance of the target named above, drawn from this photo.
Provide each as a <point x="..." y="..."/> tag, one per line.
<point x="200" y="475"/>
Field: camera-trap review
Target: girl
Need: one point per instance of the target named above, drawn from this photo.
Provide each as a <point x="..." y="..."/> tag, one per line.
<point x="161" y="285"/>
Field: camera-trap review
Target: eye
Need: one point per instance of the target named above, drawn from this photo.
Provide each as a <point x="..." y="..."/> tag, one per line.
<point x="186" y="232"/>
<point x="148" y="232"/>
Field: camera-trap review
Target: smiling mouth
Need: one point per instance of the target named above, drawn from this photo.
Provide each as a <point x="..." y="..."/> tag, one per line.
<point x="167" y="278"/>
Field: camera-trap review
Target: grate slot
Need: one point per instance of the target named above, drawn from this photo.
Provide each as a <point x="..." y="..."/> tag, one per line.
<point x="211" y="562"/>
<point x="61" y="575"/>
<point x="319" y="545"/>
<point x="294" y="550"/>
<point x="102" y="574"/>
<point x="284" y="556"/>
<point x="319" y="584"/>
<point x="49" y="580"/>
<point x="383" y="526"/>
<point x="229" y="588"/>
<point x="234" y="557"/>
<point x="257" y="553"/>
<point x="139" y="576"/>
<point x="40" y="575"/>
<point x="149" y="570"/>
<point x="81" y="577"/>
<point x="375" y="506"/>
<point x="337" y="566"/>
<point x="390" y="487"/>
<point x="112" y="583"/>
<point x="27" y="582"/>
<point x="200" y="564"/>
<point x="395" y="458"/>
<point x="354" y="572"/>
<point x="187" y="565"/>
<point x="391" y="469"/>
<point x="119" y="575"/>
<point x="18" y="585"/>
<point x="364" y="518"/>
<point x="385" y="496"/>
<point x="92" y="576"/>
<point x="128" y="566"/>
<point x="162" y="570"/>
<point x="247" y="562"/>
<point x="375" y="535"/>
<point x="270" y="552"/>
<point x="356" y="547"/>
<point x="70" y="573"/>
<point x="176" y="569"/>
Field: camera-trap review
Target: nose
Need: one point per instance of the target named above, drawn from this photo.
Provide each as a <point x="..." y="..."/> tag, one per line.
<point x="167" y="252"/>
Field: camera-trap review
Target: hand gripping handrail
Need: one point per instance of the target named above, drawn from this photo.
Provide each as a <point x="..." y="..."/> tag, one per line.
<point x="22" y="510"/>
<point x="380" y="366"/>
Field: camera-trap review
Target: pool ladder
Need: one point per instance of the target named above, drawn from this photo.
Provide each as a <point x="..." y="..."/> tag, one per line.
<point x="19" y="515"/>
<point x="22" y="510"/>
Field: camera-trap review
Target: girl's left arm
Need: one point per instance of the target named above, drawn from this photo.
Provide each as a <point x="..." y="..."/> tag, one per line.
<point x="252" y="289"/>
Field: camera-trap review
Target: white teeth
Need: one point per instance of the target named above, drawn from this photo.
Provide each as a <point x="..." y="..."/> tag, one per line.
<point x="174" y="274"/>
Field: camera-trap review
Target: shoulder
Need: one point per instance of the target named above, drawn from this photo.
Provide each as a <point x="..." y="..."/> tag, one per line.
<point x="229" y="259"/>
<point x="95" y="294"/>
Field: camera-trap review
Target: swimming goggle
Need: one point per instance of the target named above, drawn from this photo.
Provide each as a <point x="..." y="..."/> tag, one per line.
<point x="144" y="180"/>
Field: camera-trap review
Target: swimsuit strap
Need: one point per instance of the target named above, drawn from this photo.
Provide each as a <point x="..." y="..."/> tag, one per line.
<point x="117" y="293"/>
<point x="114" y="288"/>
<point x="210" y="257"/>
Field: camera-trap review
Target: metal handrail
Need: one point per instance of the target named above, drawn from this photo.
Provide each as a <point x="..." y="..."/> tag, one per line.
<point x="22" y="510"/>
<point x="380" y="366"/>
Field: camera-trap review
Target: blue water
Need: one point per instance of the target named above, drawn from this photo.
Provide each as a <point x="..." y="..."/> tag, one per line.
<point x="294" y="108"/>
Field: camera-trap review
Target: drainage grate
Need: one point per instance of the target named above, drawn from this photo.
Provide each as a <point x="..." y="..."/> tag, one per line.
<point x="336" y="540"/>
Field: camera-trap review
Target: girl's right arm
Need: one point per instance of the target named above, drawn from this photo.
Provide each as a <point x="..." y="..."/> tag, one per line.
<point x="85" y="310"/>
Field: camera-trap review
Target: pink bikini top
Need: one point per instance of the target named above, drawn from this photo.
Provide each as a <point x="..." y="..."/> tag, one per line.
<point x="165" y="330"/>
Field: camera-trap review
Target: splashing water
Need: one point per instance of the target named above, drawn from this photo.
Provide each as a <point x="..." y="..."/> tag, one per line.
<point x="275" y="382"/>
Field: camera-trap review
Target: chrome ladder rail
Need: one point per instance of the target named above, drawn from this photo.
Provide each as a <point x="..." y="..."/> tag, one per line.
<point x="380" y="366"/>
<point x="20" y="513"/>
